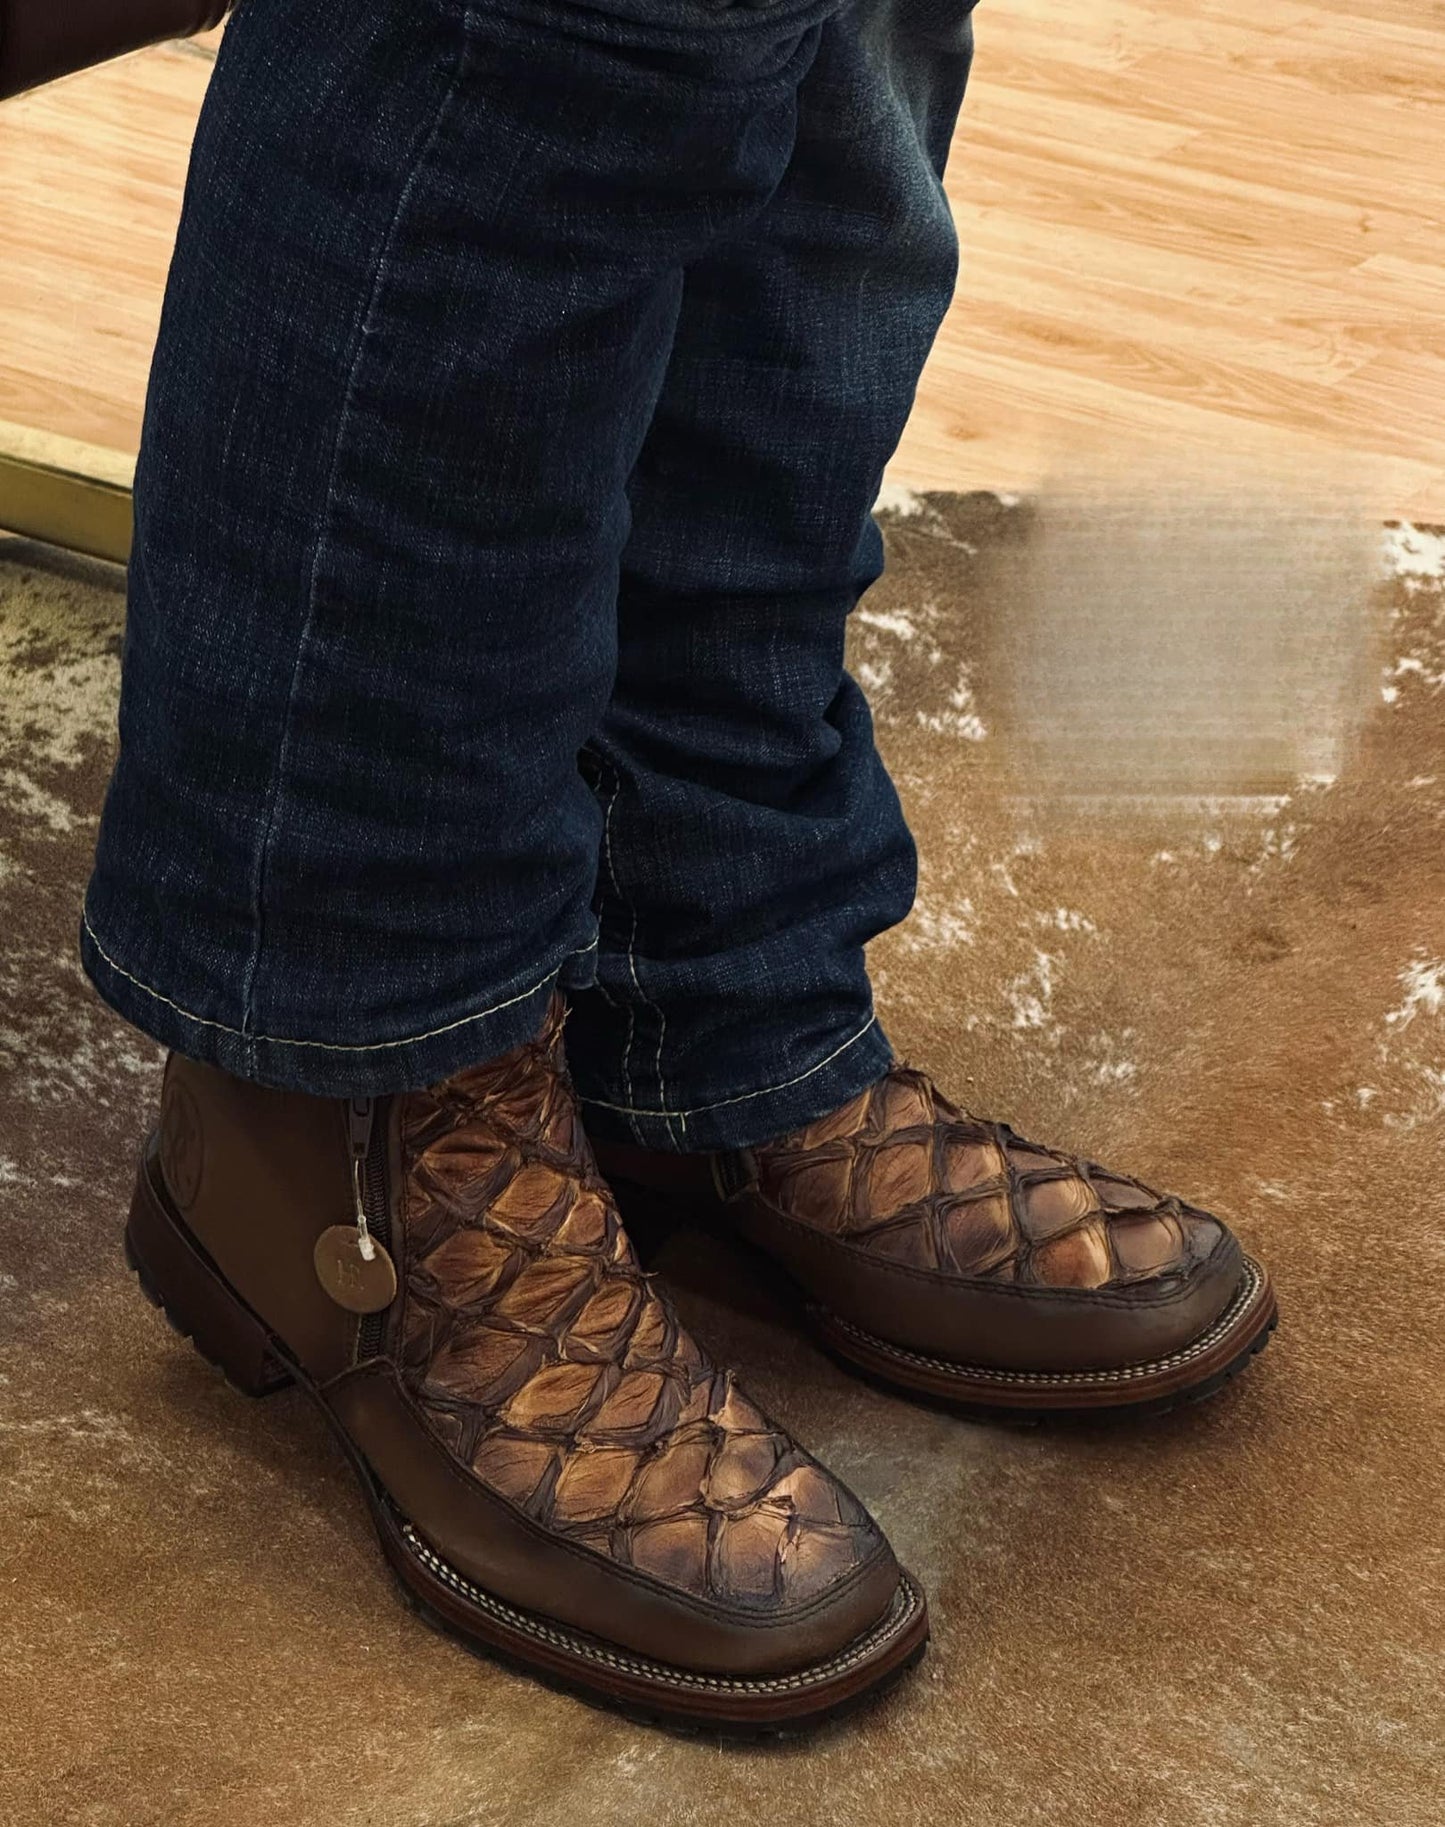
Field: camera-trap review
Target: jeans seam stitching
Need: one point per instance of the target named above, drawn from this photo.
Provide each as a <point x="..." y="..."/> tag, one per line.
<point x="328" y="1046"/>
<point x="364" y="327"/>
<point x="745" y="1096"/>
<point x="643" y="997"/>
<point x="612" y="876"/>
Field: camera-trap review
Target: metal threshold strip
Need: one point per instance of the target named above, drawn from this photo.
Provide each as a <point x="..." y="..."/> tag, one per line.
<point x="65" y="492"/>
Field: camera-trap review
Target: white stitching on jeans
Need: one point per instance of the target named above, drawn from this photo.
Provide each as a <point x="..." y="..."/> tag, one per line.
<point x="324" y="528"/>
<point x="631" y="1013"/>
<point x="642" y="996"/>
<point x="743" y="1097"/>
<point x="327" y="1046"/>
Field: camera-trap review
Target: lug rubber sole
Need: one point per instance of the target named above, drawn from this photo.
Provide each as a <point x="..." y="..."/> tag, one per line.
<point x="179" y="1277"/>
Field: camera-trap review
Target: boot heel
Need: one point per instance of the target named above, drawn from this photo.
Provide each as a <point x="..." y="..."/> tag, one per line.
<point x="176" y="1276"/>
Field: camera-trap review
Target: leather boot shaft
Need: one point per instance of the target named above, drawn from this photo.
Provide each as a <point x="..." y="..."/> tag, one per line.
<point x="533" y="1423"/>
<point x="258" y="1175"/>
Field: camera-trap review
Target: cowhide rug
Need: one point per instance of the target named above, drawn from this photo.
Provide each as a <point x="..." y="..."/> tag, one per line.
<point x="1229" y="1618"/>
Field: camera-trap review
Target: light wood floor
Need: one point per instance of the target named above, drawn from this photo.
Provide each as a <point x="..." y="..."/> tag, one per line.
<point x="1192" y="233"/>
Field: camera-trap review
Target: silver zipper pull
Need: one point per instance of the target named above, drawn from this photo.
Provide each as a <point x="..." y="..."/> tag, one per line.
<point x="354" y="1269"/>
<point x="361" y="1113"/>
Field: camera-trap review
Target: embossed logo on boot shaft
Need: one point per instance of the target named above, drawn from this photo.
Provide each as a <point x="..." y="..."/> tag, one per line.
<point x="181" y="1146"/>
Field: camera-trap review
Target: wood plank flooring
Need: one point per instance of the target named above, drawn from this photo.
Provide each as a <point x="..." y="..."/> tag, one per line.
<point x="1191" y="235"/>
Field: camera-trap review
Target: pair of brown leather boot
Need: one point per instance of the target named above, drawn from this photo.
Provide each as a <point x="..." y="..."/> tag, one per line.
<point x="555" y="1468"/>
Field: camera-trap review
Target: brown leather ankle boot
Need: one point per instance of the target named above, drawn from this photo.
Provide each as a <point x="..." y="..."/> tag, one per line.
<point x="554" y="1468"/>
<point x="946" y="1256"/>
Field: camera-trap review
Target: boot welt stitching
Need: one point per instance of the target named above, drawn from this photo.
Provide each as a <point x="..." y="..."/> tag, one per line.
<point x="900" y="1614"/>
<point x="1249" y="1290"/>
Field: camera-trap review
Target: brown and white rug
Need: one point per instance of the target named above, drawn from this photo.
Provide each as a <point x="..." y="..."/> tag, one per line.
<point x="1233" y="1618"/>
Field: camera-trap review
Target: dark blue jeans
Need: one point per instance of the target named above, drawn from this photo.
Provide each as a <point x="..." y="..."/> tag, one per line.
<point x="526" y="375"/>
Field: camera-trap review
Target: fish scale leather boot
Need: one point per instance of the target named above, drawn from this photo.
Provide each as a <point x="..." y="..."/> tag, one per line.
<point x="948" y="1257"/>
<point x="554" y="1467"/>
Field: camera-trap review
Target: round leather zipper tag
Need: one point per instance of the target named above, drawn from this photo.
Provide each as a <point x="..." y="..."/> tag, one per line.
<point x="353" y="1282"/>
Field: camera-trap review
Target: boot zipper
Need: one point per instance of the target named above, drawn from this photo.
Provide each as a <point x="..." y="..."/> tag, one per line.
<point x="373" y="1222"/>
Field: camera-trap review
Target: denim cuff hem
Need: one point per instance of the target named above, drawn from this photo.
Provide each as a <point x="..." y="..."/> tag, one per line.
<point x="748" y="1118"/>
<point x="322" y="1068"/>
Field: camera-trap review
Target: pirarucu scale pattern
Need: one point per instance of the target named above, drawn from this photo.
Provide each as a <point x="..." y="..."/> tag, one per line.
<point x="557" y="1371"/>
<point x="902" y="1172"/>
